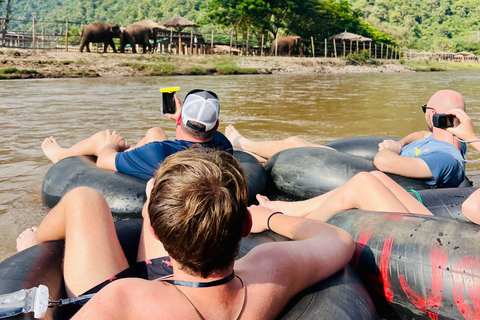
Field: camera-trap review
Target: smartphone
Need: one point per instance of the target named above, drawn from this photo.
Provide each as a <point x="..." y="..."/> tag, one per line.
<point x="168" y="99"/>
<point x="442" y="120"/>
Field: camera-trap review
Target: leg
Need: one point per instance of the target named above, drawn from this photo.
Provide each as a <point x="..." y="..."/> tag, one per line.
<point x="87" y="147"/>
<point x="411" y="203"/>
<point x="265" y="149"/>
<point x="84" y="220"/>
<point x="471" y="207"/>
<point x="355" y="195"/>
<point x="153" y="135"/>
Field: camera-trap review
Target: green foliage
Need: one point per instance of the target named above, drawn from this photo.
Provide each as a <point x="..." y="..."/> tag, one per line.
<point x="362" y="58"/>
<point x="14" y="73"/>
<point x="425" y="24"/>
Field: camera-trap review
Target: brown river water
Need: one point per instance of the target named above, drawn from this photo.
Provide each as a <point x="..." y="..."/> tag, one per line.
<point x="319" y="108"/>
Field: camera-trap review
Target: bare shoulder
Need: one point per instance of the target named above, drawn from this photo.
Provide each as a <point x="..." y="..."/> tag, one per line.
<point x="131" y="298"/>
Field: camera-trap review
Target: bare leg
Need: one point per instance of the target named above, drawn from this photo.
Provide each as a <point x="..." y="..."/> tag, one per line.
<point x="364" y="191"/>
<point x="412" y="204"/>
<point x="152" y="135"/>
<point x="265" y="149"/>
<point x="92" y="251"/>
<point x="296" y="208"/>
<point x="87" y="147"/>
<point x="471" y="207"/>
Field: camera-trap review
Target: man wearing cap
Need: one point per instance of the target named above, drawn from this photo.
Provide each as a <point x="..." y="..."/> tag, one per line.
<point x="197" y="123"/>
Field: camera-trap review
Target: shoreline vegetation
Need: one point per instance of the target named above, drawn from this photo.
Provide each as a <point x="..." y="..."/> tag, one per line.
<point x="24" y="64"/>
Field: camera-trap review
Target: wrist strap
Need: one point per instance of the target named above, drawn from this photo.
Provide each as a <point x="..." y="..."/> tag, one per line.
<point x="268" y="220"/>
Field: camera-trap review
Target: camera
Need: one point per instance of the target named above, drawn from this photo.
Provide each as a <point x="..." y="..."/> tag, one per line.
<point x="442" y="120"/>
<point x="168" y="99"/>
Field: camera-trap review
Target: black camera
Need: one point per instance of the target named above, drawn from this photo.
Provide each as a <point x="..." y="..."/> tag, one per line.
<point x="442" y="120"/>
<point x="168" y="99"/>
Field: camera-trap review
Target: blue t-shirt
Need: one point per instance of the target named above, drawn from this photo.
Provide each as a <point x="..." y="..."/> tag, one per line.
<point x="142" y="162"/>
<point x="442" y="159"/>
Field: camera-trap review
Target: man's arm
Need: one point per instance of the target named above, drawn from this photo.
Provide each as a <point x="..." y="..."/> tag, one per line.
<point x="388" y="160"/>
<point x="464" y="130"/>
<point x="323" y="250"/>
<point x="404" y="141"/>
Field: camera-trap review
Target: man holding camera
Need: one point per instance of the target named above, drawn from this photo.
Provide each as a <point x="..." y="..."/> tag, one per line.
<point x="197" y="122"/>
<point x="433" y="156"/>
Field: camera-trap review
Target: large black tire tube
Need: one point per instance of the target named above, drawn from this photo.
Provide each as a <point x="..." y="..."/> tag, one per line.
<point x="303" y="173"/>
<point x="341" y="296"/>
<point x="425" y="267"/>
<point x="363" y="147"/>
<point x="125" y="194"/>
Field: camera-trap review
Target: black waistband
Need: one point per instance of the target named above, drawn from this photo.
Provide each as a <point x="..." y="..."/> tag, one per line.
<point x="202" y="284"/>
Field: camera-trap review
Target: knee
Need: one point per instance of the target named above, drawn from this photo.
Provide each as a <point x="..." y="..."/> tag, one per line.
<point x="83" y="196"/>
<point x="155" y="134"/>
<point x="471" y="209"/>
<point x="362" y="179"/>
<point x="295" y="142"/>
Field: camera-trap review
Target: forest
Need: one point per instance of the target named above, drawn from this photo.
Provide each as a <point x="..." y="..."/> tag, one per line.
<point x="439" y="25"/>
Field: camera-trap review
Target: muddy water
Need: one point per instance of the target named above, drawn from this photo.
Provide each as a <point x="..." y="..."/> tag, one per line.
<point x="319" y="108"/>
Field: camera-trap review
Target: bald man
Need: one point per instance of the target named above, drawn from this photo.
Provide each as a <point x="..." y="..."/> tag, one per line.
<point x="430" y="155"/>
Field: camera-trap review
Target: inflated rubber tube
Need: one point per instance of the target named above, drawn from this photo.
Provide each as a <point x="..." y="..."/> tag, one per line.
<point x="445" y="202"/>
<point x="125" y="194"/>
<point x="303" y="173"/>
<point x="363" y="147"/>
<point x="425" y="267"/>
<point x="342" y="296"/>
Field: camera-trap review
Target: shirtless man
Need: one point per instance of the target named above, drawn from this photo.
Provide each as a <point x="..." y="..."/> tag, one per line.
<point x="200" y="228"/>
<point x="427" y="155"/>
<point x="196" y="123"/>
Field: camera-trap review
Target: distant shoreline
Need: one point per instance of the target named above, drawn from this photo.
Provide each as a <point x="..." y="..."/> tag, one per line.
<point x="23" y="64"/>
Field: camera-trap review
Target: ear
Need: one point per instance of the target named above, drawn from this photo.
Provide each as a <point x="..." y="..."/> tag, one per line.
<point x="248" y="225"/>
<point x="216" y="126"/>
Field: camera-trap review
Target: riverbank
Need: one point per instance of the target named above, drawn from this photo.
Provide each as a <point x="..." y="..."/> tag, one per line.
<point x="22" y="64"/>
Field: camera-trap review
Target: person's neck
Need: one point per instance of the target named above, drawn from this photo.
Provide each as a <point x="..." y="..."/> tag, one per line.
<point x="442" y="135"/>
<point x="181" y="135"/>
<point x="179" y="274"/>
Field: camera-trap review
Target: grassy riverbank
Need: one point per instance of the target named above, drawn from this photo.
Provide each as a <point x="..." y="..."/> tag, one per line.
<point x="21" y="64"/>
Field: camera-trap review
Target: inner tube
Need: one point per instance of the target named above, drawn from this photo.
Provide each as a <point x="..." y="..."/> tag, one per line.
<point x="303" y="173"/>
<point x="363" y="147"/>
<point x="125" y="194"/>
<point x="342" y="296"/>
<point x="424" y="267"/>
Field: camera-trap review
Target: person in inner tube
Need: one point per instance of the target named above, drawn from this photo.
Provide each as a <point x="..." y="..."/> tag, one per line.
<point x="377" y="192"/>
<point x="195" y="217"/>
<point x="424" y="155"/>
<point x="197" y="122"/>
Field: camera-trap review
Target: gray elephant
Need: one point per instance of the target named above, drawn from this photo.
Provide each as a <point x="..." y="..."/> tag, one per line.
<point x="287" y="44"/>
<point x="140" y="33"/>
<point x="99" y="32"/>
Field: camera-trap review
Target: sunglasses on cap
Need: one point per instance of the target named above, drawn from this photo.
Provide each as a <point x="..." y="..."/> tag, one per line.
<point x="201" y="90"/>
<point x="424" y="108"/>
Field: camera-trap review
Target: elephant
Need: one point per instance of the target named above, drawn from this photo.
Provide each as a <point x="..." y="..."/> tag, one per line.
<point x="287" y="44"/>
<point x="99" y="32"/>
<point x="140" y="33"/>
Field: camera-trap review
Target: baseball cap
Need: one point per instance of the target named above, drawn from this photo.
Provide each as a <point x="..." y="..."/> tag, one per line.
<point x="201" y="106"/>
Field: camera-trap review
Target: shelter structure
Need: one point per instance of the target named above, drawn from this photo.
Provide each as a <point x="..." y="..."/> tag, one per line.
<point x="179" y="23"/>
<point x="348" y="36"/>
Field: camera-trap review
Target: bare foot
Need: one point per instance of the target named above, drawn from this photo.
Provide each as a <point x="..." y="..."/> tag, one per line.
<point x="27" y="239"/>
<point x="235" y="137"/>
<point x="288" y="208"/>
<point x="52" y="149"/>
<point x="116" y="139"/>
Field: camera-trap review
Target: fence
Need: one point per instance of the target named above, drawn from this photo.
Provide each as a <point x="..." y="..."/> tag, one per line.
<point x="65" y="36"/>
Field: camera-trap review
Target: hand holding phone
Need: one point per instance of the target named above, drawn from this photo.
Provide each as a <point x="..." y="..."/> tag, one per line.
<point x="168" y="99"/>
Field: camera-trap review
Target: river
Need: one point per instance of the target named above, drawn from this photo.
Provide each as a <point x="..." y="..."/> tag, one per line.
<point x="319" y="108"/>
